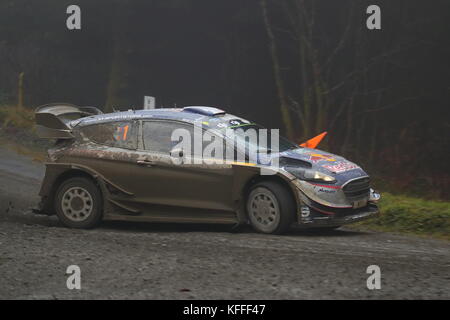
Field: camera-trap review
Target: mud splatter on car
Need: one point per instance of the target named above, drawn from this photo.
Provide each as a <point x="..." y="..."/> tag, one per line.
<point x="120" y="166"/>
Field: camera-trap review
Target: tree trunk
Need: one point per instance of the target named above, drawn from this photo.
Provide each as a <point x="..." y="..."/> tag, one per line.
<point x="20" y="91"/>
<point x="118" y="79"/>
<point x="277" y="73"/>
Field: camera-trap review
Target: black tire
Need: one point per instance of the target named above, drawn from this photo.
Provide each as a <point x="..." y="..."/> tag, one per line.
<point x="78" y="203"/>
<point x="268" y="200"/>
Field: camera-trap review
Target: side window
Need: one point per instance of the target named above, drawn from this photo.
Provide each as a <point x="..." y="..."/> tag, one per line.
<point x="215" y="147"/>
<point x="157" y="135"/>
<point x="121" y="134"/>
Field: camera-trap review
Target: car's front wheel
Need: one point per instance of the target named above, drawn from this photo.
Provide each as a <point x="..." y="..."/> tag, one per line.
<point x="270" y="207"/>
<point x="78" y="203"/>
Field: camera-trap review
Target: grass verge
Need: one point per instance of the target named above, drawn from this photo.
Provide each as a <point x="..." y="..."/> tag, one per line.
<point x="408" y="215"/>
<point x="17" y="133"/>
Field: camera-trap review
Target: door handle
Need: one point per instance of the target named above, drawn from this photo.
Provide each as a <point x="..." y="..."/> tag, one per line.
<point x="147" y="163"/>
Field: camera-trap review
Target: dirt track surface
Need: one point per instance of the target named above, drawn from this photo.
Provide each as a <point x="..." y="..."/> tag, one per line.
<point x="160" y="261"/>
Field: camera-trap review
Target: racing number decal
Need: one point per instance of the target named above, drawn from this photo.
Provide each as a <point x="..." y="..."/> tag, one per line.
<point x="125" y="131"/>
<point x="121" y="133"/>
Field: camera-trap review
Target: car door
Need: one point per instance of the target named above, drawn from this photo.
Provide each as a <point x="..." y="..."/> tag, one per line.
<point x="162" y="181"/>
<point x="108" y="150"/>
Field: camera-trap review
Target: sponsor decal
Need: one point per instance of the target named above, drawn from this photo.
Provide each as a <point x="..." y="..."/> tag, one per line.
<point x="239" y="163"/>
<point x="316" y="157"/>
<point x="114" y="117"/>
<point x="325" y="186"/>
<point x="341" y="167"/>
<point x="235" y="122"/>
<point x="326" y="190"/>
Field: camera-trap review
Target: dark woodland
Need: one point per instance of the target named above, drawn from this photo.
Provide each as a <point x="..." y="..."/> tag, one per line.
<point x="299" y="65"/>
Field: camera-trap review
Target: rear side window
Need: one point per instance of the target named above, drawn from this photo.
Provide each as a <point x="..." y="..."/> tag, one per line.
<point x="115" y="134"/>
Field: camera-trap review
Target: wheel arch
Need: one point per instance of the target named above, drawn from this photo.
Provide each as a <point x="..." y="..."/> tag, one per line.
<point x="72" y="173"/>
<point x="272" y="178"/>
<point x="55" y="177"/>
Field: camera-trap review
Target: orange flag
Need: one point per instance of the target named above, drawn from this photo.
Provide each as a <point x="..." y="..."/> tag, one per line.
<point x="314" y="142"/>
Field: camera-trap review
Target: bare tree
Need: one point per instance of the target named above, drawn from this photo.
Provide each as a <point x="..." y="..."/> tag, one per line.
<point x="277" y="72"/>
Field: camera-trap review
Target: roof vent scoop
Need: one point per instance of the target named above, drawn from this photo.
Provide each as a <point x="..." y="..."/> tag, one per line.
<point x="206" y="111"/>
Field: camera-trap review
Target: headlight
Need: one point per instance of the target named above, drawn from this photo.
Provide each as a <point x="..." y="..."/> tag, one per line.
<point x="310" y="175"/>
<point x="316" y="175"/>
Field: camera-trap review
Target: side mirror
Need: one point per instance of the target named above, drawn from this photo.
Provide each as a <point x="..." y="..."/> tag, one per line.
<point x="177" y="155"/>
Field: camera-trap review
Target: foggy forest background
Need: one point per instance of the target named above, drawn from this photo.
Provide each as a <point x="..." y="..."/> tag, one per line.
<point x="302" y="66"/>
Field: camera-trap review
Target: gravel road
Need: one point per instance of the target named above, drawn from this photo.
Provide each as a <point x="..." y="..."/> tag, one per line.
<point x="163" y="261"/>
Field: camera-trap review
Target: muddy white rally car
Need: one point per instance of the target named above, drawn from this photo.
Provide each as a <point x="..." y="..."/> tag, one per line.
<point x="119" y="166"/>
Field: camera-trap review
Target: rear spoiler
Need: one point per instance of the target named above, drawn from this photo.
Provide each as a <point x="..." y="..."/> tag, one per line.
<point x="53" y="120"/>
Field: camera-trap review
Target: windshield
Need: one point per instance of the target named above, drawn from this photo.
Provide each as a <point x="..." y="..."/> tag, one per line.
<point x="250" y="136"/>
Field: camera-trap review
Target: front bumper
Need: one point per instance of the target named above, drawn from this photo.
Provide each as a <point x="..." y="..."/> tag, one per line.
<point x="312" y="218"/>
<point x="323" y="205"/>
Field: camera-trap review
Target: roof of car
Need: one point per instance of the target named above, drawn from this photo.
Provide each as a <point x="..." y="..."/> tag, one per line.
<point x="191" y="114"/>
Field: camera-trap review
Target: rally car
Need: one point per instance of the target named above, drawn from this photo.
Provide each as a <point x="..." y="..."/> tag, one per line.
<point x="120" y="166"/>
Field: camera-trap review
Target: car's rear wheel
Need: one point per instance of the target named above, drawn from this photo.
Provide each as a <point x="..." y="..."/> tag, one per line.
<point x="270" y="207"/>
<point x="78" y="203"/>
